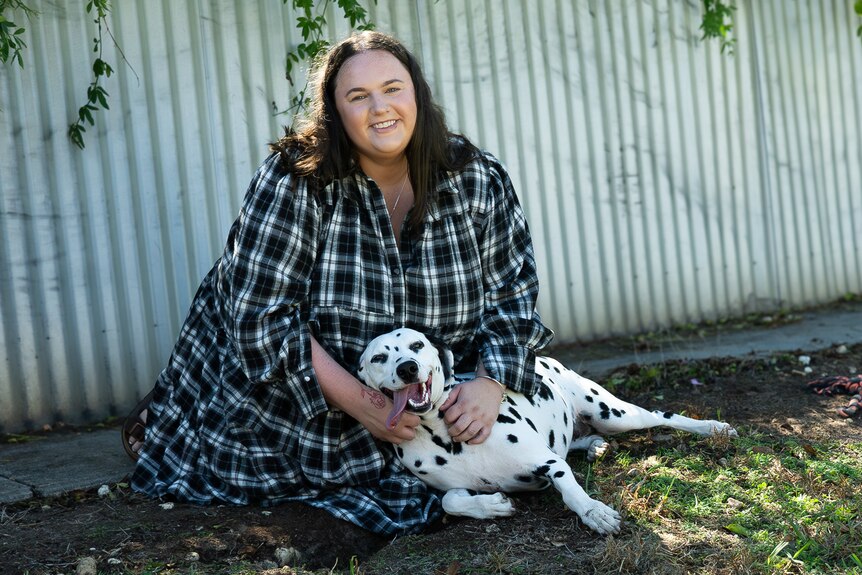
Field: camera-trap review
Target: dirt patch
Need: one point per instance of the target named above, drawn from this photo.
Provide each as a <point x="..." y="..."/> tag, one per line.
<point x="124" y="533"/>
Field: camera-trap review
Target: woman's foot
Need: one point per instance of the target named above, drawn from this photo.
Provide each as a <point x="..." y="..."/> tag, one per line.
<point x="135" y="426"/>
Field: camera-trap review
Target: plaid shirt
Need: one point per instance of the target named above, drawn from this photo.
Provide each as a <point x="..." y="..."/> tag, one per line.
<point x="238" y="415"/>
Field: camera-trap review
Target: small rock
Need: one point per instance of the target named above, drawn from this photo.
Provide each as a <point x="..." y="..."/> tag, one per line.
<point x="662" y="437"/>
<point x="286" y="556"/>
<point x="86" y="566"/>
<point x="167" y="506"/>
<point x="104" y="491"/>
<point x="734" y="503"/>
<point x="115" y="561"/>
<point x="804" y="359"/>
<point x="193" y="557"/>
<point x="842" y="350"/>
<point x="723" y="462"/>
<point x="808" y="370"/>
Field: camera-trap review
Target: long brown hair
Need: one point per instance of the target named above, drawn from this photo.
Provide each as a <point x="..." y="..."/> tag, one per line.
<point x="319" y="148"/>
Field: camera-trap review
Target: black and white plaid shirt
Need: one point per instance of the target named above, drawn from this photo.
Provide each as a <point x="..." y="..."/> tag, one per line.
<point x="238" y="415"/>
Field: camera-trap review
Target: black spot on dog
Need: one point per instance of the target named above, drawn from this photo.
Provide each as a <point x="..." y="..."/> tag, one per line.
<point x="530" y="423"/>
<point x="420" y="472"/>
<point x="605" y="412"/>
<point x="616" y="413"/>
<point x="544" y="364"/>
<point x="565" y="419"/>
<point x="456" y="448"/>
<point x="438" y="441"/>
<point x="541" y="470"/>
<point x="551" y="461"/>
<point x="551" y="439"/>
<point x="504" y="419"/>
<point x="593" y="391"/>
<point x="557" y="369"/>
<point x="512" y="438"/>
<point x="586" y="417"/>
<point x="440" y="460"/>
<point x="668" y="414"/>
<point x="545" y="393"/>
<point x="417" y="463"/>
<point x="559" y="474"/>
<point x="514" y="412"/>
<point x="399" y="451"/>
<point x="564" y="440"/>
<point x="524" y="478"/>
<point x="589" y="398"/>
<point x="428" y="429"/>
<point x="623" y="411"/>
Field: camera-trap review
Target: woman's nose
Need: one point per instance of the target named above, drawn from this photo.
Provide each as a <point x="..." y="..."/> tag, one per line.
<point x="378" y="104"/>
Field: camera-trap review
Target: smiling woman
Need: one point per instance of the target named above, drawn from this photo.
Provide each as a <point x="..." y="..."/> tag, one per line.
<point x="369" y="216"/>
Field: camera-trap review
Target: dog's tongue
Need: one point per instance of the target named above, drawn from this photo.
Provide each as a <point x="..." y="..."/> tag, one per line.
<point x="399" y="399"/>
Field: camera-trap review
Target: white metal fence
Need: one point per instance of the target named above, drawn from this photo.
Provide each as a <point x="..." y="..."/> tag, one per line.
<point x="664" y="182"/>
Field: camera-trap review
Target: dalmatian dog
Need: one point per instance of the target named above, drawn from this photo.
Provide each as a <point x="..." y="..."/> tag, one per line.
<point x="528" y="445"/>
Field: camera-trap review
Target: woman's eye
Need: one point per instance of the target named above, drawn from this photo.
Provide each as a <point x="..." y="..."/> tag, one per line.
<point x="392" y="90"/>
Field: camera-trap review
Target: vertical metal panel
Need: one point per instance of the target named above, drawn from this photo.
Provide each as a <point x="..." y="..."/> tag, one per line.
<point x="664" y="182"/>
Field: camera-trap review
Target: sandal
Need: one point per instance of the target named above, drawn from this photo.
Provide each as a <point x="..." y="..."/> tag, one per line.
<point x="134" y="427"/>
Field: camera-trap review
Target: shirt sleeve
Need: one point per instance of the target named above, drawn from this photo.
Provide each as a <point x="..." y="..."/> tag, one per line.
<point x="264" y="282"/>
<point x="511" y="330"/>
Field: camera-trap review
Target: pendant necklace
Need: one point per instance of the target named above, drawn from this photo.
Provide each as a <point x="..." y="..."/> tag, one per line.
<point x="401" y="191"/>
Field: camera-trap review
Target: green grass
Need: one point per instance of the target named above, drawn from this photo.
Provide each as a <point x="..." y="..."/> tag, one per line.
<point x="771" y="502"/>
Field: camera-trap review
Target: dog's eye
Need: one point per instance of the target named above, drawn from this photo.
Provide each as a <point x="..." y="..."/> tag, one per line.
<point x="416" y="346"/>
<point x="379" y="358"/>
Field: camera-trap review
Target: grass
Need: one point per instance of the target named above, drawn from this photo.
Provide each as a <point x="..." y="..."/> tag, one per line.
<point x="760" y="503"/>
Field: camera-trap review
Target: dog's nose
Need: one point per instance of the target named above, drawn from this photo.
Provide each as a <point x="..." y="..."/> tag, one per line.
<point x="407" y="370"/>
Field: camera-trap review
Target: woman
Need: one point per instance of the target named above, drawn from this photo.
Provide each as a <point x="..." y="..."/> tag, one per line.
<point x="370" y="216"/>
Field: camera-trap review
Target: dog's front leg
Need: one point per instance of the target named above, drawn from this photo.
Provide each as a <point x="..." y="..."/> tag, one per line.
<point x="479" y="506"/>
<point x="595" y="514"/>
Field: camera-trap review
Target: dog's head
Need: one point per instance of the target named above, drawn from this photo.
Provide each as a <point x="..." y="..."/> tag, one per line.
<point x="407" y="367"/>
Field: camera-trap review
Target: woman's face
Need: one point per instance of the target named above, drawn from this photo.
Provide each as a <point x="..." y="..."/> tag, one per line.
<point x="376" y="101"/>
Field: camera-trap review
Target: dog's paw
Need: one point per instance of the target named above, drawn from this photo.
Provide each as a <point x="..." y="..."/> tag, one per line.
<point x="722" y="428"/>
<point x="496" y="505"/>
<point x="481" y="506"/>
<point x="597" y="449"/>
<point x="601" y="518"/>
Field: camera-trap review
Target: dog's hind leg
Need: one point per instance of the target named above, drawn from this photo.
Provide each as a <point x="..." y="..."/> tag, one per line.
<point x="595" y="514"/>
<point x="608" y="414"/>
<point x="478" y="506"/>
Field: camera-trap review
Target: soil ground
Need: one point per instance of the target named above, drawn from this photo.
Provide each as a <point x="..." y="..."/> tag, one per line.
<point x="125" y="533"/>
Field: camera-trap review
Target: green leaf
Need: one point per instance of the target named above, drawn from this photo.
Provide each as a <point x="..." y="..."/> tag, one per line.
<point x="858" y="7"/>
<point x="738" y="529"/>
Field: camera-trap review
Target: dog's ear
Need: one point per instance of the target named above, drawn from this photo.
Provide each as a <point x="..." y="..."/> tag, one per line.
<point x="447" y="360"/>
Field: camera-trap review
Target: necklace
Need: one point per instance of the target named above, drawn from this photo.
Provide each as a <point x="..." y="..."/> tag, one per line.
<point x="398" y="197"/>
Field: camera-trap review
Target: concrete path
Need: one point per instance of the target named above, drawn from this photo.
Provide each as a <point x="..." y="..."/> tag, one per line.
<point x="54" y="465"/>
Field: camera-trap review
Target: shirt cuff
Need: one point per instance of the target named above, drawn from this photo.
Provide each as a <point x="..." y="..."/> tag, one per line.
<point x="514" y="366"/>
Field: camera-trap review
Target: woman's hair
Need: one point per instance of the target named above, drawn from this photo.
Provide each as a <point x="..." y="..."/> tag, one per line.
<point x="319" y="148"/>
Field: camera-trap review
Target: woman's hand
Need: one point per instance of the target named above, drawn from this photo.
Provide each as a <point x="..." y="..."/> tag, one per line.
<point x="472" y="409"/>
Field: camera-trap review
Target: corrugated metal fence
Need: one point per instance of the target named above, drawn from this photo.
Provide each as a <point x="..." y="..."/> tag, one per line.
<point x="664" y="182"/>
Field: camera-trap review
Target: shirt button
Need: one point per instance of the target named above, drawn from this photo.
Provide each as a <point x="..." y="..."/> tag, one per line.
<point x="396" y="271"/>
<point x="307" y="379"/>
